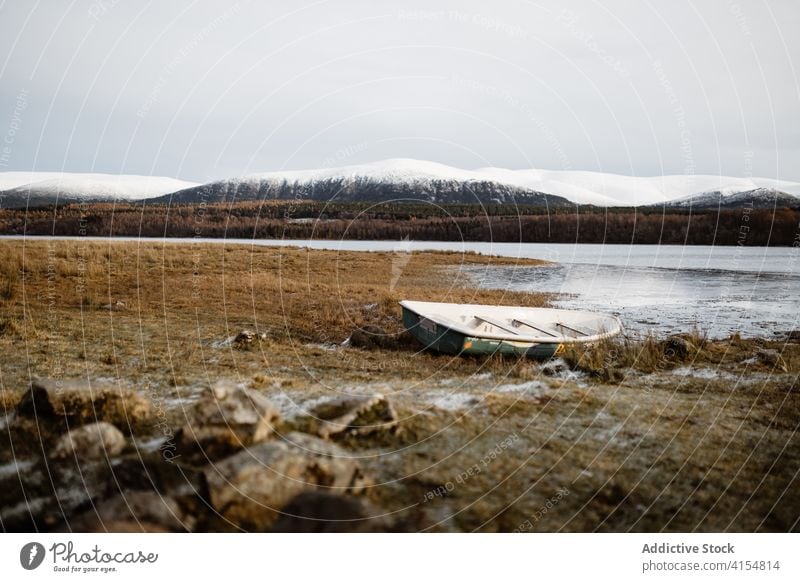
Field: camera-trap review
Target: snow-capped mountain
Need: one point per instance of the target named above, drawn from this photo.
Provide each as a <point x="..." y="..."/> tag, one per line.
<point x="732" y="198"/>
<point x="602" y="189"/>
<point x="404" y="178"/>
<point x="21" y="189"/>
<point x="398" y="179"/>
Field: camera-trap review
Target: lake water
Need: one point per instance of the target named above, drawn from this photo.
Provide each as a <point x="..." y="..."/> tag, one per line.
<point x="660" y="288"/>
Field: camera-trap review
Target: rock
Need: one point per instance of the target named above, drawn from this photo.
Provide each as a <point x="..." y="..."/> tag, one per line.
<point x="22" y="484"/>
<point x="353" y="415"/>
<point x="554" y="368"/>
<point x="134" y="511"/>
<point x="166" y="476"/>
<point x="677" y="347"/>
<point x="246" y="338"/>
<point x="250" y="488"/>
<point x="226" y="418"/>
<point x="80" y="401"/>
<point x="90" y="442"/>
<point x="371" y="337"/>
<point x="318" y="511"/>
<point x="772" y="359"/>
<point x="41" y="495"/>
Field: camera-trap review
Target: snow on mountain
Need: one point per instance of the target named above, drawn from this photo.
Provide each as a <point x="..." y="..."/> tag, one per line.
<point x="601" y="189"/>
<point x="392" y="179"/>
<point x="18" y="188"/>
<point x="393" y="170"/>
<point x="396" y="179"/>
<point x="734" y="198"/>
<point x="11" y="180"/>
<point x="617" y="190"/>
<point x="129" y="187"/>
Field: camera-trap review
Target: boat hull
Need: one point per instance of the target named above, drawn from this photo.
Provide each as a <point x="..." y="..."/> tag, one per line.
<point x="443" y="339"/>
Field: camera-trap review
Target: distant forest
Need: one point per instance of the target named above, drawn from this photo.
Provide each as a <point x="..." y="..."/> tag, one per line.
<point x="456" y="222"/>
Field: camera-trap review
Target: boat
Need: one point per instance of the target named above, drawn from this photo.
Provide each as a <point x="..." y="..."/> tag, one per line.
<point x="538" y="333"/>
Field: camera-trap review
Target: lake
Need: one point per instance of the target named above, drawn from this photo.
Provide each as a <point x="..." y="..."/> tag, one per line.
<point x="754" y="291"/>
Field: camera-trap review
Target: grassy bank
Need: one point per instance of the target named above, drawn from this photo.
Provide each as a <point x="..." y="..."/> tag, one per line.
<point x="667" y="434"/>
<point x="164" y="314"/>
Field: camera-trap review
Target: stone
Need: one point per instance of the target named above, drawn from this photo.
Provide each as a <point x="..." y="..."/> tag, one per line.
<point x="81" y="401"/>
<point x="554" y="368"/>
<point x="677" y="347"/>
<point x="90" y="442"/>
<point x="249" y="488"/>
<point x="23" y="495"/>
<point x="321" y="512"/>
<point x="353" y="415"/>
<point x="226" y="418"/>
<point x="246" y="338"/>
<point x="163" y="475"/>
<point x="134" y="511"/>
<point x="41" y="495"/>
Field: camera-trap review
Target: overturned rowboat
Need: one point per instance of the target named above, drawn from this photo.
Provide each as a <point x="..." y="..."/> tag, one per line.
<point x="456" y="328"/>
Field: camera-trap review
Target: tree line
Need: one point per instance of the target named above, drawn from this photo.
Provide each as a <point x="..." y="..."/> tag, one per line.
<point x="363" y="221"/>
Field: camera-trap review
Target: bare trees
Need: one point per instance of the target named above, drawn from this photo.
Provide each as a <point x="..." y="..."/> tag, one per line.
<point x="418" y="221"/>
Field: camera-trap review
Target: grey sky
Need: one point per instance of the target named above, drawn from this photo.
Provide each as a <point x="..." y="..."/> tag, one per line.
<point x="205" y="90"/>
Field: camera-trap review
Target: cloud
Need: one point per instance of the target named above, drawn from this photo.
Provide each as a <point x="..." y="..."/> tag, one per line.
<point x="202" y="91"/>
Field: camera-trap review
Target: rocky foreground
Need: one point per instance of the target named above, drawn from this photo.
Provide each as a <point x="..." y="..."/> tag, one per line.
<point x="150" y="387"/>
<point x="97" y="457"/>
<point x="235" y="465"/>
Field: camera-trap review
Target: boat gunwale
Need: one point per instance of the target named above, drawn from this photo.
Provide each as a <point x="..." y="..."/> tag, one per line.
<point x="472" y="333"/>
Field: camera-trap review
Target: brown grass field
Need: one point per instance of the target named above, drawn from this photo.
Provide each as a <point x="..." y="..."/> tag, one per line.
<point x="665" y="434"/>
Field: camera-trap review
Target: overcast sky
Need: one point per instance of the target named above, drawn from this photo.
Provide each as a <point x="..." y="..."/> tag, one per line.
<point x="203" y="90"/>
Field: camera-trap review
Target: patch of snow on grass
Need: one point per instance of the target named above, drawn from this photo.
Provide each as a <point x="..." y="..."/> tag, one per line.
<point x="701" y="373"/>
<point x="290" y="407"/>
<point x="452" y="401"/>
<point x="14" y="467"/>
<point x="704" y="374"/>
<point x="532" y="388"/>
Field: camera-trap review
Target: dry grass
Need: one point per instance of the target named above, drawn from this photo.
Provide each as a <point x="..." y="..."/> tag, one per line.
<point x="611" y="359"/>
<point x="149" y="311"/>
<point x="637" y="446"/>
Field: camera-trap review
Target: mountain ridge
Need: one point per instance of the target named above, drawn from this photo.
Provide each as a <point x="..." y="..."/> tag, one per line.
<point x="21" y="189"/>
<point x="727" y="198"/>
<point x="407" y="179"/>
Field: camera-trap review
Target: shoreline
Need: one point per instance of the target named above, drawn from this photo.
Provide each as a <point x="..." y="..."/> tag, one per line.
<point x="326" y="241"/>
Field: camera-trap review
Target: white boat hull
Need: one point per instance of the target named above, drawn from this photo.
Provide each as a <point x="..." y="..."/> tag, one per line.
<point x="480" y="329"/>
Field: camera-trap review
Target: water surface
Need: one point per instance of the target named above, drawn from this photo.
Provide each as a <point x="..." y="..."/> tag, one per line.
<point x="660" y="288"/>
